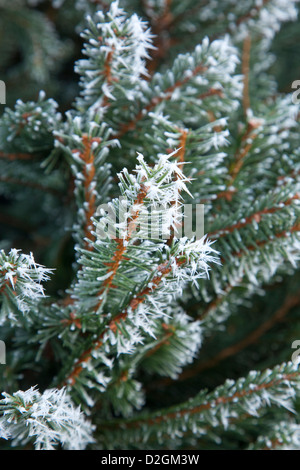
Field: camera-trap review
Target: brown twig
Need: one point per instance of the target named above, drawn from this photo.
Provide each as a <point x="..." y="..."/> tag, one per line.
<point x="162" y="270"/>
<point x="29" y="184"/>
<point x="131" y="125"/>
<point x="122" y="245"/>
<point x="169" y="332"/>
<point x="166" y="417"/>
<point x="253" y="217"/>
<point x="89" y="172"/>
<point x="252" y="13"/>
<point x="162" y="41"/>
<point x="261" y="243"/>
<point x="180" y="156"/>
<point x="16" y="156"/>
<point x="289" y="303"/>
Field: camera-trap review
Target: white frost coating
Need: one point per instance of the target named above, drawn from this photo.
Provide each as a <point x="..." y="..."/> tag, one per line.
<point x="122" y="51"/>
<point x="48" y="419"/>
<point x="162" y="186"/>
<point x="24" y="276"/>
<point x="157" y="188"/>
<point x="264" y="20"/>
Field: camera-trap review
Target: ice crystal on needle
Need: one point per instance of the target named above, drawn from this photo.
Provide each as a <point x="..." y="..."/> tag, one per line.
<point x="50" y="418"/>
<point x="167" y="198"/>
<point x="21" y="281"/>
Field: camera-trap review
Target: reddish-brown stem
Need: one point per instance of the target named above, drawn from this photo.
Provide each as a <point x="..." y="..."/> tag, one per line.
<point x="21" y="125"/>
<point x="261" y="243"/>
<point x="163" y="26"/>
<point x="252" y="13"/>
<point x="108" y="75"/>
<point x="274" y="444"/>
<point x="246" y="145"/>
<point x="122" y="245"/>
<point x="253" y="217"/>
<point x="7" y="282"/>
<point x="89" y="172"/>
<point x="162" y="40"/>
<point x="29" y="184"/>
<point x="170" y="331"/>
<point x="214" y="303"/>
<point x="16" y="156"/>
<point x="162" y="270"/>
<point x="212" y="118"/>
<point x="292" y="174"/>
<point x="219" y="299"/>
<point x="247" y="142"/>
<point x="181" y="151"/>
<point x="180" y="156"/>
<point x="72" y="320"/>
<point x="253" y="337"/>
<point x="157" y="100"/>
<point x="205" y="406"/>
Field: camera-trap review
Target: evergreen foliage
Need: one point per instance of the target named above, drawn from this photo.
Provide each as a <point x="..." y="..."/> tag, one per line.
<point x="105" y="296"/>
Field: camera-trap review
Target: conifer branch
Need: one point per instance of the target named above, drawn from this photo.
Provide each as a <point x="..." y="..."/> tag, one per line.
<point x="156" y="100"/>
<point x="162" y="270"/>
<point x="142" y="297"/>
<point x="108" y="74"/>
<point x="123" y="243"/>
<point x="169" y="332"/>
<point x="261" y="243"/>
<point x="160" y="26"/>
<point x="289" y="303"/>
<point x="88" y="158"/>
<point x="218" y="300"/>
<point x="257" y="217"/>
<point x="247" y="142"/>
<point x="255" y="10"/>
<point x="16" y="156"/>
<point x="234" y="397"/>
